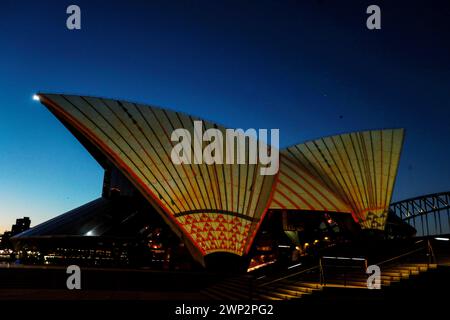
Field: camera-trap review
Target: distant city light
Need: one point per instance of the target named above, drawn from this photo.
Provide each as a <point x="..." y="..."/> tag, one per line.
<point x="36" y="97"/>
<point x="89" y="233"/>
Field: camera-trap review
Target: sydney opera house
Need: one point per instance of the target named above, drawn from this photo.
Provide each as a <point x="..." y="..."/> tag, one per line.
<point x="215" y="211"/>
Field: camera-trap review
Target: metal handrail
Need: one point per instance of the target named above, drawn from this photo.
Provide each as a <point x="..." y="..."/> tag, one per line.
<point x="404" y="254"/>
<point x="289" y="276"/>
<point x="400" y="256"/>
<point x="322" y="275"/>
<point x="428" y="247"/>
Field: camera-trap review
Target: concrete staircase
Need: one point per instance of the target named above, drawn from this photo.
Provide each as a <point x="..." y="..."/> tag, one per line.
<point x="298" y="286"/>
<point x="243" y="288"/>
<point x="389" y="275"/>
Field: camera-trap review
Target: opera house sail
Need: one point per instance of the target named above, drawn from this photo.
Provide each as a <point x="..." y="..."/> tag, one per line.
<point x="219" y="208"/>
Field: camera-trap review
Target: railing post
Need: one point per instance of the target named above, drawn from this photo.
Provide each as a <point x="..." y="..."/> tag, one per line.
<point x="345" y="278"/>
<point x="430" y="252"/>
<point x="320" y="270"/>
<point x="321" y="274"/>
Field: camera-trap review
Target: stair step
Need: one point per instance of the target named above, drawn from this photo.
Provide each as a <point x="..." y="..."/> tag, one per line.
<point x="228" y="294"/>
<point x="392" y="273"/>
<point x="239" y="280"/>
<point x="284" y="291"/>
<point x="295" y="287"/>
<point x="410" y="268"/>
<point x="277" y="295"/>
<point x="348" y="283"/>
<point x="400" y="269"/>
<point x="291" y="288"/>
<point x="234" y="286"/>
<point x="265" y="297"/>
<point x="419" y="264"/>
<point x="312" y="285"/>
<point x="217" y="294"/>
<point x="383" y="277"/>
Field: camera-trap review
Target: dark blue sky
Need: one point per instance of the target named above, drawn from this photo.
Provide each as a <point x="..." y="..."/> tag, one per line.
<point x="310" y="68"/>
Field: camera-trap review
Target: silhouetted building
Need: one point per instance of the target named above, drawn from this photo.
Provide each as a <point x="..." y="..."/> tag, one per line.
<point x="5" y="243"/>
<point x="21" y="225"/>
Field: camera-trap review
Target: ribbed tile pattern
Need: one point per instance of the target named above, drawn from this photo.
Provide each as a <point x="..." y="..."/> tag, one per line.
<point x="217" y="232"/>
<point x="352" y="172"/>
<point x="136" y="138"/>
